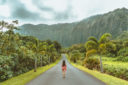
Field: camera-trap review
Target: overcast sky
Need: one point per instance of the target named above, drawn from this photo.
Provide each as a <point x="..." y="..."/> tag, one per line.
<point x="55" y="11"/>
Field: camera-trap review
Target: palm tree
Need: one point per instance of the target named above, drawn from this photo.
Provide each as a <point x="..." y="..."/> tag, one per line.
<point x="9" y="37"/>
<point x="3" y="24"/>
<point x="15" y="22"/>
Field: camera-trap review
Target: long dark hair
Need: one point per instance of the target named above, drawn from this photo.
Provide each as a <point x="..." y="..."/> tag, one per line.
<point x="63" y="63"/>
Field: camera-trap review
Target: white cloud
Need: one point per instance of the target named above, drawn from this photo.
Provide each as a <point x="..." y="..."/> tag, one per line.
<point x="65" y="10"/>
<point x="47" y="15"/>
<point x="29" y="5"/>
<point x="57" y="5"/>
<point x="4" y="11"/>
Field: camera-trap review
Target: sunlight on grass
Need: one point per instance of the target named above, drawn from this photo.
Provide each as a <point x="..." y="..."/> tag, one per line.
<point x="116" y="64"/>
<point x="109" y="80"/>
<point x="111" y="61"/>
<point x="26" y="77"/>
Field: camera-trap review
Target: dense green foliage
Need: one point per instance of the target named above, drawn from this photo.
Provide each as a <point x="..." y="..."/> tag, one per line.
<point x="76" y="52"/>
<point x="18" y="53"/>
<point x="116" y="71"/>
<point x="92" y="63"/>
<point x="116" y="68"/>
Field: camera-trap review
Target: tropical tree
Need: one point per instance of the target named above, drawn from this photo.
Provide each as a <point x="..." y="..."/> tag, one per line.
<point x="3" y="24"/>
<point x="57" y="46"/>
<point x="75" y="56"/>
<point x="105" y="38"/>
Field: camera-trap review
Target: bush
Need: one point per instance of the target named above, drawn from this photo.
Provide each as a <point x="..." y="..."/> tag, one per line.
<point x="92" y="63"/>
<point x="123" y="59"/>
<point x="116" y="71"/>
<point x="6" y="66"/>
<point x="123" y="52"/>
<point x="110" y="55"/>
<point x="75" y="56"/>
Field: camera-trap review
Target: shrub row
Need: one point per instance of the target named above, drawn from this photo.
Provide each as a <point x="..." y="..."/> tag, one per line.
<point x="116" y="71"/>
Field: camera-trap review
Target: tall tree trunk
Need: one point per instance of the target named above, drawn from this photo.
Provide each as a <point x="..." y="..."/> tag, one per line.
<point x="35" y="66"/>
<point x="101" y="66"/>
<point x="41" y="61"/>
<point x="49" y="59"/>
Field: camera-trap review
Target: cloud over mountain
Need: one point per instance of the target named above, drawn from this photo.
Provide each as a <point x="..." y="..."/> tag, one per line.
<point x="55" y="11"/>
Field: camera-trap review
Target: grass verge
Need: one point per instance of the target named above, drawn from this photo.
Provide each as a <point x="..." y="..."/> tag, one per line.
<point x="26" y="77"/>
<point x="108" y="79"/>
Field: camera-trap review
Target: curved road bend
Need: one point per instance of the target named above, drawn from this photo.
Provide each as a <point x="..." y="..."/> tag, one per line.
<point x="73" y="76"/>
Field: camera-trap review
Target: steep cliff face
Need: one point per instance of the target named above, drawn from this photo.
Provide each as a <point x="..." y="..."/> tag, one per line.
<point x="67" y="34"/>
<point x="113" y="22"/>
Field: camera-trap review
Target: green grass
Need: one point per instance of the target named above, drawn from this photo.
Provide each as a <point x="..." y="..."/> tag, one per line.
<point x="26" y="77"/>
<point x="116" y="64"/>
<point x="109" y="58"/>
<point x="109" y="80"/>
<point x="112" y="61"/>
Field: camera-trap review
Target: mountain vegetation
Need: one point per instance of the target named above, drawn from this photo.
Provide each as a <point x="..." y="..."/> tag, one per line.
<point x="114" y="22"/>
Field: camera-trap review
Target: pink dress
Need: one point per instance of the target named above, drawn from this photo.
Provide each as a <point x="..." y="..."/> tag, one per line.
<point x="64" y="68"/>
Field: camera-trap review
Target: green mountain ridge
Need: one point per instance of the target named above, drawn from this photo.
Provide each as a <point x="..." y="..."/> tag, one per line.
<point x="114" y="22"/>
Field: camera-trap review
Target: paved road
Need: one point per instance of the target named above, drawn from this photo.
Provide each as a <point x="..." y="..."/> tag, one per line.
<point x="73" y="77"/>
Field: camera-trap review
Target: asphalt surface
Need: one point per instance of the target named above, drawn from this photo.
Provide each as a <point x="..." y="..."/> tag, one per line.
<point x="73" y="76"/>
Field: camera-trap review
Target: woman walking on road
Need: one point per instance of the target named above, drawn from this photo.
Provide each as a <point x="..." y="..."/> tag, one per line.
<point x="64" y="68"/>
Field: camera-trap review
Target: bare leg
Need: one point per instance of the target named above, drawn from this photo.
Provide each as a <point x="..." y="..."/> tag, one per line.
<point x="63" y="74"/>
